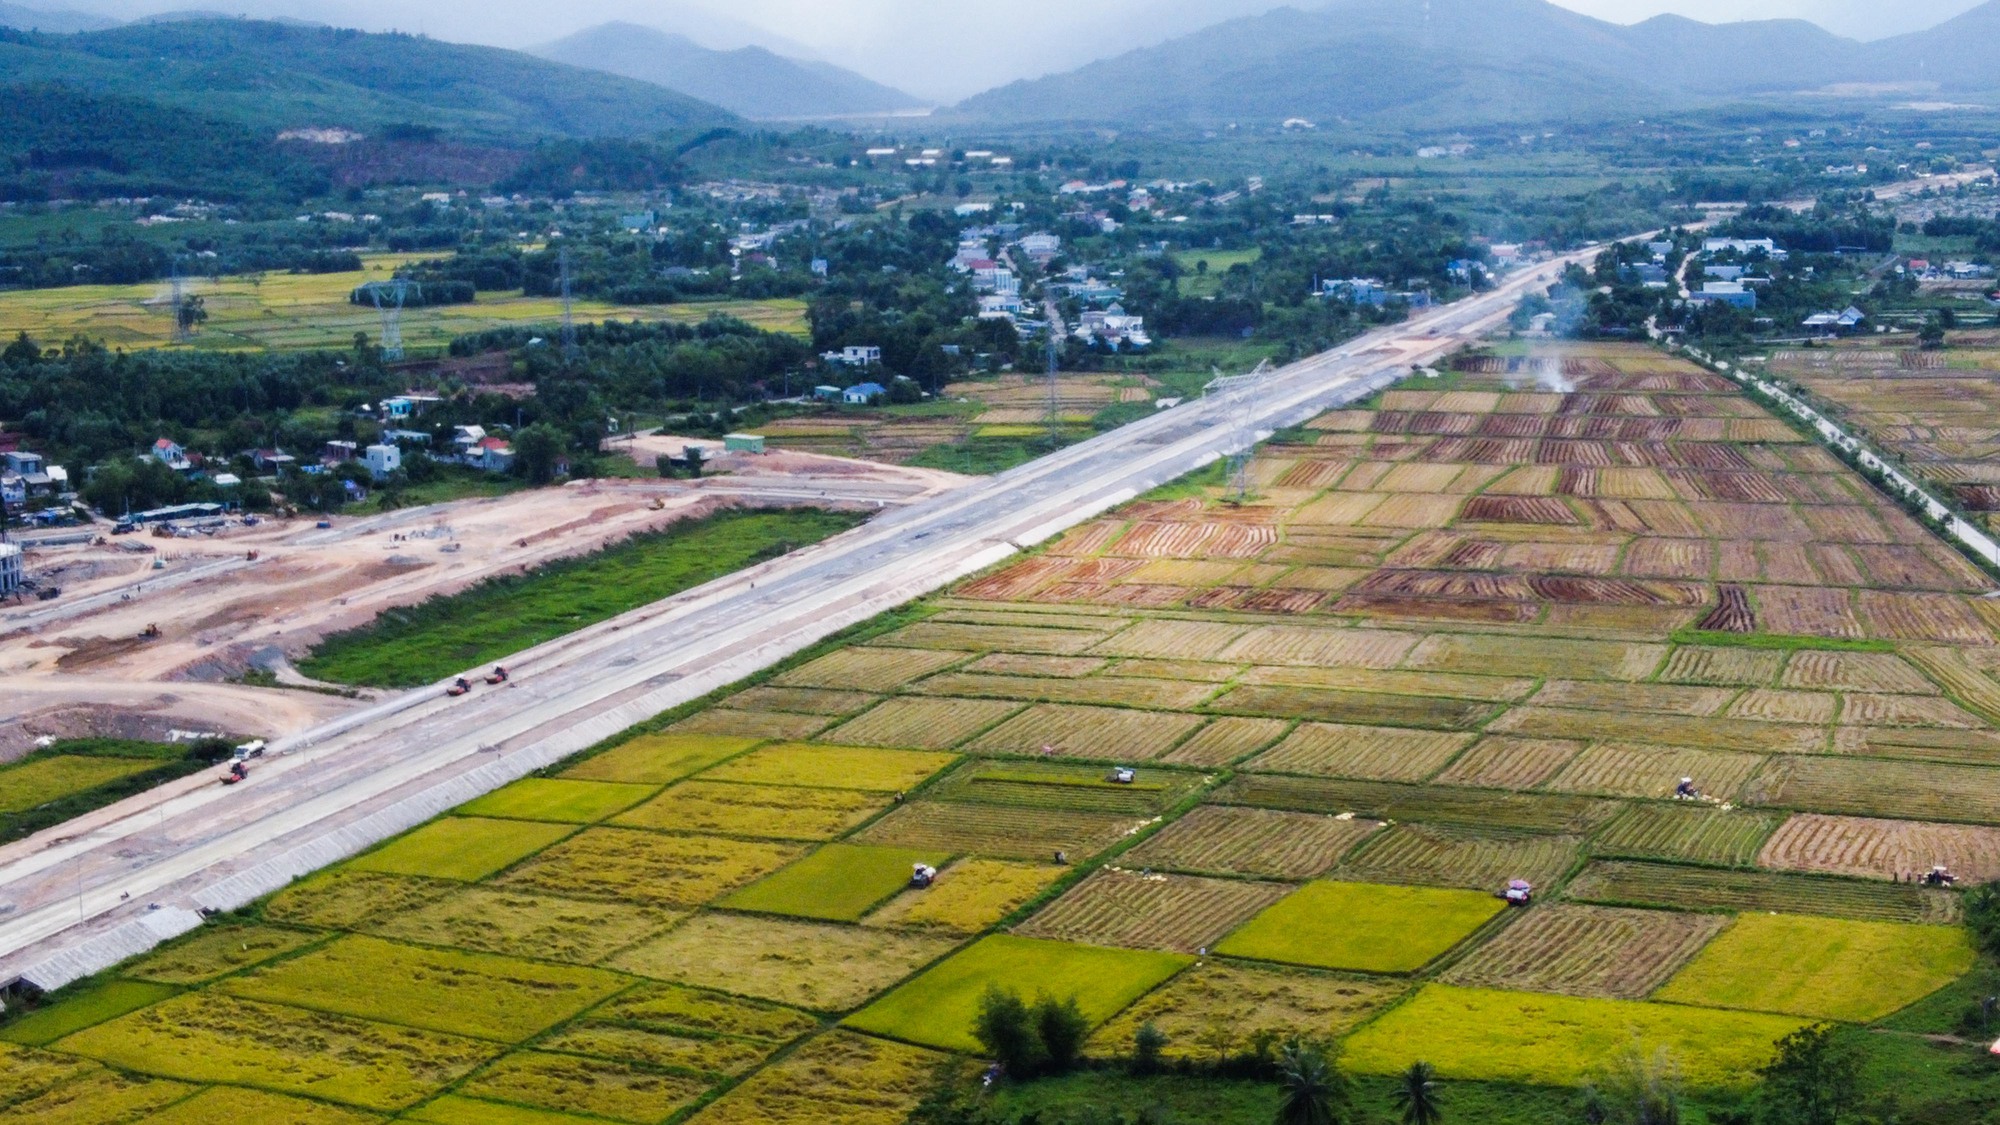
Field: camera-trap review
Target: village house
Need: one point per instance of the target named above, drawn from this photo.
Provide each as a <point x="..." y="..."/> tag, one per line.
<point x="384" y="460"/>
<point x="489" y="454"/>
<point x="1114" y="329"/>
<point x="1830" y="323"/>
<point x="1732" y="293"/>
<point x="169" y="453"/>
<point x="272" y="460"/>
<point x="852" y="356"/>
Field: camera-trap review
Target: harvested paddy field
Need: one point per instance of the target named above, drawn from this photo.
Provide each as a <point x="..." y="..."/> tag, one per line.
<point x="1138" y="910"/>
<point x="1588" y="951"/>
<point x="1239" y="841"/>
<point x="1218" y="1005"/>
<point x="1933" y="410"/>
<point x="1469" y="635"/>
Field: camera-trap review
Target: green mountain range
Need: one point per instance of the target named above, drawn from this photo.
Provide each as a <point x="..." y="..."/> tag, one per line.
<point x="271" y="77"/>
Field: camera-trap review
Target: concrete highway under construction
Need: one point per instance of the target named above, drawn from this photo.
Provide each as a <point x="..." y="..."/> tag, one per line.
<point x="83" y="896"/>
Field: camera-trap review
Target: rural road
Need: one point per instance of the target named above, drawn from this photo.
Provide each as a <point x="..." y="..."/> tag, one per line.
<point x="75" y="899"/>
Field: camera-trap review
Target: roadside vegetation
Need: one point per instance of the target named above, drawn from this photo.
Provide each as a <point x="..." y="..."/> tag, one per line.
<point x="444" y="636"/>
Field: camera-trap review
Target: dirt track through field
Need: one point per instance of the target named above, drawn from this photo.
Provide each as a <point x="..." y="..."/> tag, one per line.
<point x="86" y="664"/>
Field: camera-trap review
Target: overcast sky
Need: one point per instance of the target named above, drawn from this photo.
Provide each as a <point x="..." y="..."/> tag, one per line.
<point x="942" y="49"/>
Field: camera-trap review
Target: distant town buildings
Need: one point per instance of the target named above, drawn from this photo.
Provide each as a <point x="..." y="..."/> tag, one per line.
<point x="1746" y="247"/>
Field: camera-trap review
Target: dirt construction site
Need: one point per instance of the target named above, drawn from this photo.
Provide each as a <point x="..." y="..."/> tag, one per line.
<point x="154" y="633"/>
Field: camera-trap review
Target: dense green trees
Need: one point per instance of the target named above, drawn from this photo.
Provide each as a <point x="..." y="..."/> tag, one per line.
<point x="1031" y="1040"/>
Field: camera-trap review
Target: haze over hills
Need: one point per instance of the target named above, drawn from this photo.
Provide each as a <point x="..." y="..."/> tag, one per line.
<point x="750" y="81"/>
<point x="946" y="50"/>
<point x="1866" y="20"/>
<point x="57" y="22"/>
<point x="1468" y="62"/>
<point x="275" y="76"/>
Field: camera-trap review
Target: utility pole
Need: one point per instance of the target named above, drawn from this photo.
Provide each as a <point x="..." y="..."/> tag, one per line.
<point x="1056" y="330"/>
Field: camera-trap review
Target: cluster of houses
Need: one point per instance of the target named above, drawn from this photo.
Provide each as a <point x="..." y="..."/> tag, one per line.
<point x="1732" y="269"/>
<point x="26" y="478"/>
<point x="853" y="357"/>
<point x="1369" y="292"/>
<point x="999" y="287"/>
<point x="1925" y="270"/>
<point x="470" y="446"/>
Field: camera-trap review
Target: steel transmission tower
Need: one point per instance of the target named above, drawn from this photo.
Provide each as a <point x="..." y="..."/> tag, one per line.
<point x="569" y="311"/>
<point x="390" y="297"/>
<point x="1237" y="392"/>
<point x="183" y="331"/>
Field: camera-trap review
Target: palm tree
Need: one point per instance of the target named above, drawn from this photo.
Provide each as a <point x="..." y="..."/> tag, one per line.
<point x="1310" y="1086"/>
<point x="1417" y="1094"/>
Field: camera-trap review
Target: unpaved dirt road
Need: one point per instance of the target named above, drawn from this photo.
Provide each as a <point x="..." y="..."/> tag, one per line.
<point x="84" y="664"/>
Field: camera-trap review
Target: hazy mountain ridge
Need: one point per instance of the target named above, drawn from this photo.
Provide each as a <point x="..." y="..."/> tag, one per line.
<point x="54" y="21"/>
<point x="1464" y="62"/>
<point x="276" y="76"/>
<point x="750" y="81"/>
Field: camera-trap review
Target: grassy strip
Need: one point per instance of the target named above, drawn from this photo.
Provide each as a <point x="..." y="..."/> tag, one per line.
<point x="1235" y="1101"/>
<point x="1777" y="642"/>
<point x="176" y="760"/>
<point x="425" y="643"/>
